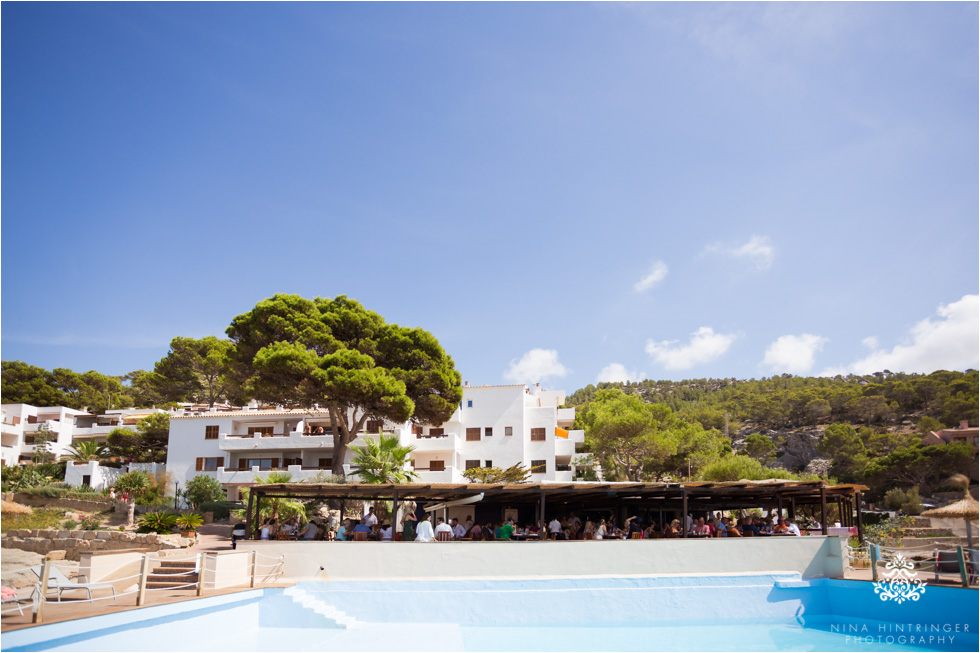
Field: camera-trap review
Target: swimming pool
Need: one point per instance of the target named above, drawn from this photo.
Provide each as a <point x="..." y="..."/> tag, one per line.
<point x="759" y="612"/>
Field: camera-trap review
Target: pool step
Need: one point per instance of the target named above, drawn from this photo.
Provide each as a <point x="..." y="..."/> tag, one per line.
<point x="173" y="574"/>
<point x="310" y="602"/>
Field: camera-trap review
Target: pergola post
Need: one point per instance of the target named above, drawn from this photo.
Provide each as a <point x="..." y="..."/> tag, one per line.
<point x="779" y="506"/>
<point x="684" y="512"/>
<point x="857" y="502"/>
<point x="248" y="511"/>
<point x="257" y="529"/>
<point x="792" y="508"/>
<point x="394" y="514"/>
<point x="544" y="526"/>
<point x="823" y="510"/>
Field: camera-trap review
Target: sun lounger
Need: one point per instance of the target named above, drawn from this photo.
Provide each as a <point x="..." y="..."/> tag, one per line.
<point x="61" y="583"/>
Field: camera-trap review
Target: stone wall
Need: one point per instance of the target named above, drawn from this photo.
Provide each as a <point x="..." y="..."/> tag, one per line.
<point x="67" y="504"/>
<point x="77" y="542"/>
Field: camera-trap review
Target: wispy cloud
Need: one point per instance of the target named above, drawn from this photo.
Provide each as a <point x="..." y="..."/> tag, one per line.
<point x="658" y="272"/>
<point x="758" y="250"/>
<point x="704" y="346"/>
<point x="536" y="365"/>
<point x="617" y="373"/>
<point x="130" y="341"/>
<point x="793" y="354"/>
<point x="950" y="342"/>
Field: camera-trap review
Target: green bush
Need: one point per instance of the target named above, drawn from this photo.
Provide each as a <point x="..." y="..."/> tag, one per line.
<point x="907" y="501"/>
<point x="156" y="522"/>
<point x="203" y="489"/>
<point x="69" y="524"/>
<point x="221" y="509"/>
<point x="189" y="522"/>
<point x="46" y="491"/>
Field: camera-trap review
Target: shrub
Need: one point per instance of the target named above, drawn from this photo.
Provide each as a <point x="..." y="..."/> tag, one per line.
<point x="90" y="523"/>
<point x="41" y="518"/>
<point x="189" y="522"/>
<point x="46" y="491"/>
<point x="156" y="522"/>
<point x="907" y="501"/>
<point x="69" y="524"/>
<point x="134" y="483"/>
<point x="203" y="489"/>
<point x="221" y="509"/>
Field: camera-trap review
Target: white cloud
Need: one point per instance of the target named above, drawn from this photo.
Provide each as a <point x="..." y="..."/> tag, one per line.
<point x="950" y="343"/>
<point x="793" y="354"/>
<point x="658" y="272"/>
<point x="617" y="373"/>
<point x="757" y="249"/>
<point x="871" y="342"/>
<point x="705" y="346"/>
<point x="536" y="365"/>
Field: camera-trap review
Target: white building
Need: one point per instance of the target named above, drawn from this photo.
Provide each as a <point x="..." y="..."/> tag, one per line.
<point x="495" y="426"/>
<point x="23" y="423"/>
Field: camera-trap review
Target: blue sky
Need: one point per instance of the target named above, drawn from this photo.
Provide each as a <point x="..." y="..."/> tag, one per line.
<point x="559" y="192"/>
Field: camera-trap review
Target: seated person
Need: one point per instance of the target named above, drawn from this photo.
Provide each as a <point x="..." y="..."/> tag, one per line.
<point x="443" y="527"/>
<point x="459" y="532"/>
<point x="634" y="525"/>
<point x="475" y="532"/>
<point x="749" y="525"/>
<point x="733" y="530"/>
<point x="780" y="527"/>
<point x="386" y="533"/>
<point x="506" y="530"/>
<point x="792" y="528"/>
<point x="362" y="528"/>
<point x="343" y="531"/>
<point x="311" y="532"/>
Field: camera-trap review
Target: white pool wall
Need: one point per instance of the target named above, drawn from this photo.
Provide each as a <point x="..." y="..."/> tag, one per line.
<point x="811" y="557"/>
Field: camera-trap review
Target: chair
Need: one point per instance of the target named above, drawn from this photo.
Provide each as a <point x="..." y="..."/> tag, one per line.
<point x="58" y="581"/>
<point x="636" y="536"/>
<point x="282" y="535"/>
<point x="360" y="537"/>
<point x="444" y="536"/>
<point x="10" y="596"/>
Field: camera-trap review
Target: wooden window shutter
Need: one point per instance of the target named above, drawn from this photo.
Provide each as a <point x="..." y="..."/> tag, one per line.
<point x="200" y="464"/>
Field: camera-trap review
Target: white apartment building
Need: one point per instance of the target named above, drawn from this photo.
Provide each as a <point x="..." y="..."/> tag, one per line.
<point x="22" y="424"/>
<point x="495" y="426"/>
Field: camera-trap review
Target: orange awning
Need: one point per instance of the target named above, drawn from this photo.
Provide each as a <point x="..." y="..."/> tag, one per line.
<point x="561" y="433"/>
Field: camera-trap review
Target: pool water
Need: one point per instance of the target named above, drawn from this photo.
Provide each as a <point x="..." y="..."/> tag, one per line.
<point x="759" y="612"/>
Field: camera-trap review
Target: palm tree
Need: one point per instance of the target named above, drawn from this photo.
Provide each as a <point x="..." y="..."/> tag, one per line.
<point x="274" y="507"/>
<point x="86" y="450"/>
<point x="383" y="460"/>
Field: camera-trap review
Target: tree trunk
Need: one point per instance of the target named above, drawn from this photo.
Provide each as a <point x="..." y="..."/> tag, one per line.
<point x="130" y="512"/>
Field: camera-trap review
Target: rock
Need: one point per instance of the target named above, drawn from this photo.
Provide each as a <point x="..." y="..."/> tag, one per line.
<point x="57" y="554"/>
<point x="76" y="534"/>
<point x="88" y="535"/>
<point x="103" y="535"/>
<point x="818" y="466"/>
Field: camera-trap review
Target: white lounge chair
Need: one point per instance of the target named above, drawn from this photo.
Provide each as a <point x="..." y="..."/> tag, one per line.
<point x="58" y="581"/>
<point x="15" y="600"/>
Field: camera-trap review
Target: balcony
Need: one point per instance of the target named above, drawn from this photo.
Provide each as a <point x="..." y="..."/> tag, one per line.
<point x="566" y="417"/>
<point x="296" y="472"/>
<point x="95" y="431"/>
<point x="446" y="475"/>
<point x="446" y="442"/>
<point x="273" y="442"/>
<point x="53" y="427"/>
<point x="566" y="446"/>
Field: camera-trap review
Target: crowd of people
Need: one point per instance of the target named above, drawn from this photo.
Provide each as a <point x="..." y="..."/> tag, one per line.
<point x="411" y="527"/>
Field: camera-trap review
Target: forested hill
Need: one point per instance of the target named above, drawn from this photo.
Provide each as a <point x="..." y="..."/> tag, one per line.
<point x="883" y="399"/>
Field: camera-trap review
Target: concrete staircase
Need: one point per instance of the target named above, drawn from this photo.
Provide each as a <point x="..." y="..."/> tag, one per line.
<point x="173" y="574"/>
<point x="310" y="602"/>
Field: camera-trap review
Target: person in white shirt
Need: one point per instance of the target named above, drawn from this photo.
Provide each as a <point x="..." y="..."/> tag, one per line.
<point x="443" y="527"/>
<point x="370" y="519"/>
<point x="386" y="533"/>
<point x="554" y="526"/>
<point x="458" y="531"/>
<point x="793" y="529"/>
<point x="424" y="531"/>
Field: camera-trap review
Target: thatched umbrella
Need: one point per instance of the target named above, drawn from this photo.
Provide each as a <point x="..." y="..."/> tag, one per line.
<point x="966" y="508"/>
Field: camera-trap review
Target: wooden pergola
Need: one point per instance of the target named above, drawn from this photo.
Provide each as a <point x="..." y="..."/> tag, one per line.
<point x="677" y="497"/>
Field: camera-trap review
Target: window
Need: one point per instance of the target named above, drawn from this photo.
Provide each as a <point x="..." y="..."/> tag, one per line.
<point x="489" y="463"/>
<point x="209" y="464"/>
<point x="539" y="467"/>
<point x="469" y="403"/>
<point x="211" y="432"/>
<point x="260" y="430"/>
<point x="508" y="430"/>
<point x="286" y="462"/>
<point x="261" y="463"/>
<point x="437" y="433"/>
<point x="374" y="425"/>
<point x="472" y="464"/>
<point x="488" y="431"/>
<point x="437" y="466"/>
<point x="473" y="434"/>
<point x="537" y="435"/>
<point x="324" y="463"/>
<point x="416" y="429"/>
